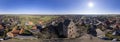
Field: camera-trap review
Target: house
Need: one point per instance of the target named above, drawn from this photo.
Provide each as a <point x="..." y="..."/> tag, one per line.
<point x="1" y="27"/>
<point x="34" y="30"/>
<point x="15" y="31"/>
<point x="72" y="30"/>
<point x="100" y="33"/>
<point x="65" y="28"/>
<point x="69" y="29"/>
<point x="1" y="30"/>
<point x="29" y="23"/>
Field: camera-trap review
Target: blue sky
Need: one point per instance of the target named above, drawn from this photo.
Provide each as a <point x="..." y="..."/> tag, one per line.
<point x="59" y="6"/>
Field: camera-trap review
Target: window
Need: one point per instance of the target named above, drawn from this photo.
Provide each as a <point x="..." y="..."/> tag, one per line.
<point x="71" y="35"/>
<point x="70" y="32"/>
<point x="69" y="28"/>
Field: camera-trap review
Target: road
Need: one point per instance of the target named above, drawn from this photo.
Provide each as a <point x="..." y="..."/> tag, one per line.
<point x="87" y="39"/>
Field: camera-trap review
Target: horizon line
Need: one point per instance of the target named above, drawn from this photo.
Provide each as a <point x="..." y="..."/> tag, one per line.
<point x="65" y="14"/>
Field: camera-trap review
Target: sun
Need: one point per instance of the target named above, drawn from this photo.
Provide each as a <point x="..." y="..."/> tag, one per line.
<point x="90" y="4"/>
